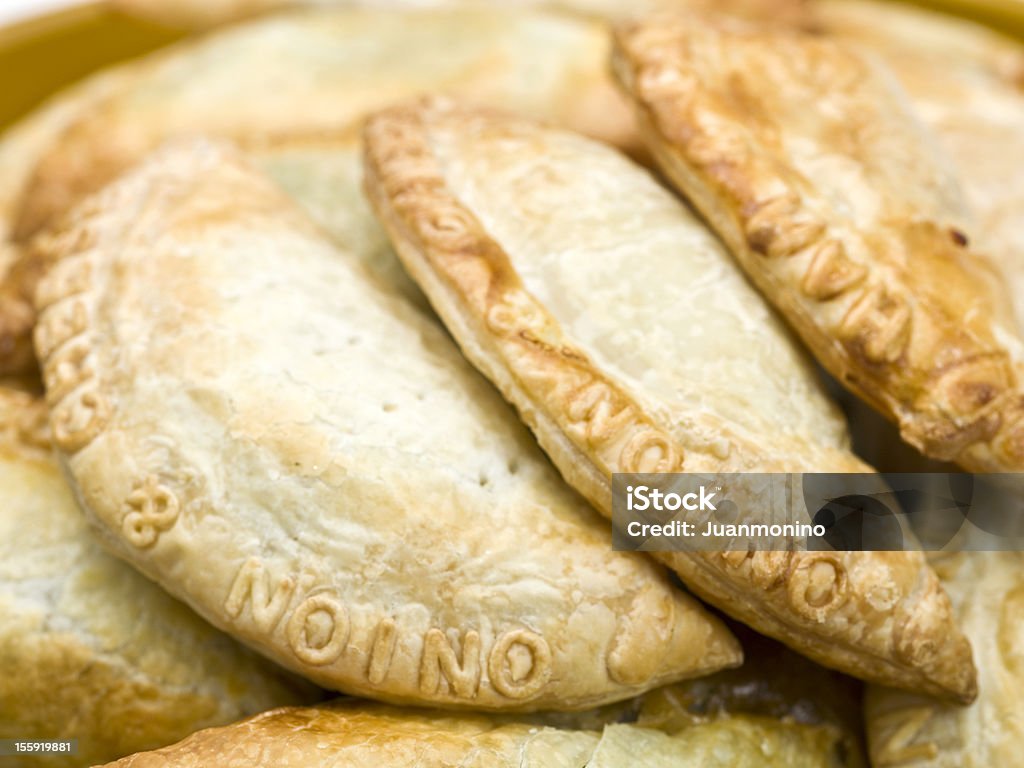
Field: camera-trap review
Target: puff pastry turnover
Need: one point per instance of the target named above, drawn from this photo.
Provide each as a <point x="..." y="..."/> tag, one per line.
<point x="377" y="737"/>
<point x="89" y="649"/>
<point x="965" y="82"/>
<point x="306" y="74"/>
<point x="629" y="342"/>
<point x="806" y="161"/>
<point x="910" y="731"/>
<point x="284" y="442"/>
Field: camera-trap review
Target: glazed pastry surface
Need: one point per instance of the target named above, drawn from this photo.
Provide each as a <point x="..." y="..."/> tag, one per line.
<point x="544" y="253"/>
<point x="808" y="163"/>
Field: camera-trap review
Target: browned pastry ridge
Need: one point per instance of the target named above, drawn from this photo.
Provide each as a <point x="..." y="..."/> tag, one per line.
<point x="476" y="202"/>
<point x="911" y="731"/>
<point x="966" y="83"/>
<point x="806" y="161"/>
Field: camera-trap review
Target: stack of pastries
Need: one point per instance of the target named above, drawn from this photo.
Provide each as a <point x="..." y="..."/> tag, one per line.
<point x="322" y="334"/>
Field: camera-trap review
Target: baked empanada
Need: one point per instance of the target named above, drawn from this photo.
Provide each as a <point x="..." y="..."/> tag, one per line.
<point x="287" y="444"/>
<point x="808" y="163"/>
<point x="965" y="82"/>
<point x="89" y="649"/>
<point x="987" y="589"/>
<point x="377" y="737"/>
<point x="629" y="341"/>
<point x="308" y="74"/>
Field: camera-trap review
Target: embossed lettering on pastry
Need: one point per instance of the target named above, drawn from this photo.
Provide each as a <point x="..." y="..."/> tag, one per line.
<point x="629" y="341"/>
<point x="297" y="451"/>
<point x="89" y="649"/>
<point x="965" y="82"/>
<point x="806" y="160"/>
<point x="21" y="148"/>
<point x="377" y="737"/>
<point x="917" y="732"/>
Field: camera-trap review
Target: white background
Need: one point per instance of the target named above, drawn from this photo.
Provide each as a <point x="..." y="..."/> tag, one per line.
<point x="15" y="10"/>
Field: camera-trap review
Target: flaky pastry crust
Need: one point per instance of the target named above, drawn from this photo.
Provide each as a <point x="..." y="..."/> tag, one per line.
<point x="300" y="454"/>
<point x="804" y="159"/>
<point x="89" y="649"/>
<point x="966" y="83"/>
<point x="910" y="731"/>
<point x="304" y="74"/>
<point x="21" y="147"/>
<point x="595" y="358"/>
<point x="376" y="737"/>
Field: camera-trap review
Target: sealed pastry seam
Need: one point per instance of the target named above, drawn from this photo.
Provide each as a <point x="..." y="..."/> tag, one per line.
<point x="591" y="427"/>
<point x="494" y="657"/>
<point x="955" y="393"/>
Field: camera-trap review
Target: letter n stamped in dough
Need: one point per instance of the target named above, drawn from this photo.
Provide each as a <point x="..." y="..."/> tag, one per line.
<point x="440" y="658"/>
<point x="252" y="585"/>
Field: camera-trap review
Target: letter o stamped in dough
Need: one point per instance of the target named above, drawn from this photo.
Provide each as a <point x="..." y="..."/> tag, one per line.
<point x="817" y="586"/>
<point x="302" y="632"/>
<point x="649" y="451"/>
<point x="501" y="664"/>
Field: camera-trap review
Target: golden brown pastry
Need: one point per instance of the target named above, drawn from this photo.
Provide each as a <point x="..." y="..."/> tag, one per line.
<point x="627" y="339"/>
<point x="21" y="147"/>
<point x="376" y="737"/>
<point x="917" y="732"/>
<point x="308" y="74"/>
<point x="286" y="443"/>
<point x="89" y="649"/>
<point x="965" y="82"/>
<point x="806" y="161"/>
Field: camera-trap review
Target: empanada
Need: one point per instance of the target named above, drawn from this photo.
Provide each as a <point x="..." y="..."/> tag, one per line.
<point x="308" y="74"/>
<point x="89" y="649"/>
<point x="629" y="341"/>
<point x="965" y="82"/>
<point x="287" y="444"/>
<point x="808" y="163"/>
<point x="987" y="589"/>
<point x="378" y="737"/>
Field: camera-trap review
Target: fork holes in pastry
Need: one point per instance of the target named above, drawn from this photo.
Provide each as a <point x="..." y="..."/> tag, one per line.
<point x="513" y="466"/>
<point x="389" y="407"/>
